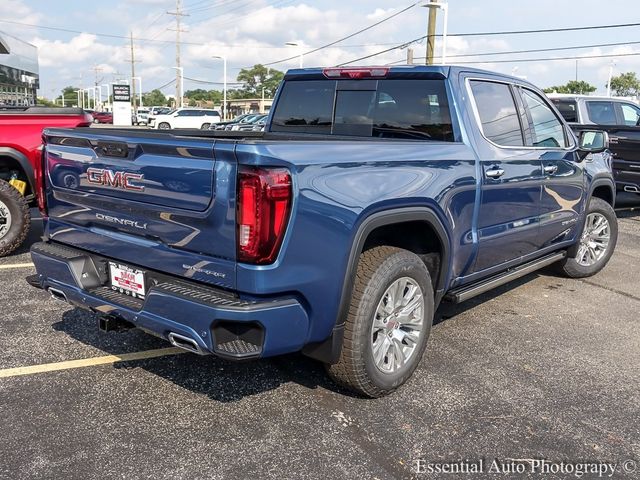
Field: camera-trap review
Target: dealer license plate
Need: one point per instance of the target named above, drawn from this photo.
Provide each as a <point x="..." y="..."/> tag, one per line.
<point x="127" y="280"/>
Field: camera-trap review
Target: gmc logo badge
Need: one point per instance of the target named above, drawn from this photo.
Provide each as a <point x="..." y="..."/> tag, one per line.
<point x="109" y="178"/>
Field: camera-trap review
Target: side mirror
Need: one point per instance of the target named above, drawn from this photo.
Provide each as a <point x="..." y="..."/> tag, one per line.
<point x="592" y="141"/>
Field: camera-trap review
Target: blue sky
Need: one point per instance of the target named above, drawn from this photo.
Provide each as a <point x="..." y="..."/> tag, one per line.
<point x="255" y="31"/>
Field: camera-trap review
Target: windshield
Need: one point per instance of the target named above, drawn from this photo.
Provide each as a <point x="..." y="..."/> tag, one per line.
<point x="395" y="108"/>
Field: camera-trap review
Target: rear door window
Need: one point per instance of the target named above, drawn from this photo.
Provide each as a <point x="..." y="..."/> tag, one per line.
<point x="389" y="108"/>
<point x="630" y="113"/>
<point x="497" y="111"/>
<point x="567" y="108"/>
<point x="601" y="112"/>
<point x="546" y="129"/>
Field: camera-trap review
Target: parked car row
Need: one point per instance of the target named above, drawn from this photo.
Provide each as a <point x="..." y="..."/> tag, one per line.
<point x="249" y="122"/>
<point x="620" y="118"/>
<point x="201" y="118"/>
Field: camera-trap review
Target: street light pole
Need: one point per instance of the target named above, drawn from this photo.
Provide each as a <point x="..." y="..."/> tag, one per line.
<point x="224" y="85"/>
<point x="294" y="44"/>
<point x="613" y="62"/>
<point x="139" y="90"/>
<point x="181" y="89"/>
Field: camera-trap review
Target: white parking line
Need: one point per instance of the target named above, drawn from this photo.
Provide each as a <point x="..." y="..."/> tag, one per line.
<point x="89" y="362"/>
<point x="16" y="265"/>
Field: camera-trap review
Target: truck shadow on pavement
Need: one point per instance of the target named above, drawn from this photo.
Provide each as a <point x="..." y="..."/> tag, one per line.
<point x="222" y="380"/>
<point x="219" y="379"/>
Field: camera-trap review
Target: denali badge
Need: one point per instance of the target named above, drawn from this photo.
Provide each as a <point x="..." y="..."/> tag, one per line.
<point x="121" y="221"/>
<point x="109" y="178"/>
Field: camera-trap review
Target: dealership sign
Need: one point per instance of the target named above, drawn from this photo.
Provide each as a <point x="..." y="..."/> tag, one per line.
<point x="121" y="93"/>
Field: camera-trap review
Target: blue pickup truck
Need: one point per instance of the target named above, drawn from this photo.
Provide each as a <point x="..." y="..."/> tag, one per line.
<point x="374" y="195"/>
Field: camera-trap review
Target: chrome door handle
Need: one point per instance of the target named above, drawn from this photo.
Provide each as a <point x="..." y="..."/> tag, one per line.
<point x="550" y="169"/>
<point x="494" y="173"/>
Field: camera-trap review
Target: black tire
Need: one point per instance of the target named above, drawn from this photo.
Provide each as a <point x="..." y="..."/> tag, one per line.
<point x="378" y="269"/>
<point x="205" y="126"/>
<point x="164" y="126"/>
<point x="18" y="208"/>
<point x="570" y="266"/>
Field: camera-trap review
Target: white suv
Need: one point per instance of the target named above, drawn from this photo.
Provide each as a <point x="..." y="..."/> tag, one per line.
<point x="187" y="118"/>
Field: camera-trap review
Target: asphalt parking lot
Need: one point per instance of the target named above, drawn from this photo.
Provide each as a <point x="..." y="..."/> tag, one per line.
<point x="545" y="368"/>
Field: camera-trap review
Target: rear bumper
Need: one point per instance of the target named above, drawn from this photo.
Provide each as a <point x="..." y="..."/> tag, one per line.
<point x="216" y="321"/>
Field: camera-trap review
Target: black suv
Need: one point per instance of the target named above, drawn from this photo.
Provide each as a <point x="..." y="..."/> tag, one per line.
<point x="620" y="118"/>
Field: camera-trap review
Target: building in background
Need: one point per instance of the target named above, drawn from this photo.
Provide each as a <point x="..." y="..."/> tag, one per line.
<point x="19" y="77"/>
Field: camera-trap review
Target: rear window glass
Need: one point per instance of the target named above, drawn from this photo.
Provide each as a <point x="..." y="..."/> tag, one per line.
<point x="497" y="112"/>
<point x="601" y="113"/>
<point x="567" y="108"/>
<point x="403" y="109"/>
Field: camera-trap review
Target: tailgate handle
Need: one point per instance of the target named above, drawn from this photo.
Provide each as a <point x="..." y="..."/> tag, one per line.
<point x="112" y="149"/>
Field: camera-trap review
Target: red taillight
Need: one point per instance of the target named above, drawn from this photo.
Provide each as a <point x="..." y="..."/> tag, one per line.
<point x="264" y="202"/>
<point x="40" y="184"/>
<point x="356" y="72"/>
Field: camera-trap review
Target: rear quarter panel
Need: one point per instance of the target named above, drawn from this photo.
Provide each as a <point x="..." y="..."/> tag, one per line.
<point x="337" y="185"/>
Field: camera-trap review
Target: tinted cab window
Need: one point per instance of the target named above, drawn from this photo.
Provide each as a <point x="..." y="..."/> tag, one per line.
<point x="567" y="108"/>
<point x="546" y="129"/>
<point x="497" y="111"/>
<point x="630" y="114"/>
<point x="601" y="112"/>
<point x="387" y="108"/>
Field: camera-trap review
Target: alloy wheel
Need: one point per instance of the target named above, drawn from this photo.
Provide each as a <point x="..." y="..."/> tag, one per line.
<point x="594" y="242"/>
<point x="397" y="325"/>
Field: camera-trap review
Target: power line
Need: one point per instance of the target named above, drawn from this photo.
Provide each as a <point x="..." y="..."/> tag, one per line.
<point x="545" y="30"/>
<point x="347" y="37"/>
<point x="212" y="83"/>
<point x="608" y="55"/>
<point x="170" y="82"/>
<point x="97" y="34"/>
<point x="406" y="44"/>
<point x="535" y="50"/>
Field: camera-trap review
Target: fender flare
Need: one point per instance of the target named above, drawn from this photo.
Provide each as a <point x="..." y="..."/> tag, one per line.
<point x="602" y="182"/>
<point x="328" y="351"/>
<point x="24" y="163"/>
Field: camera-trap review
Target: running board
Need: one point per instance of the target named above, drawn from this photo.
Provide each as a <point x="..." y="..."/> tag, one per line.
<point x="461" y="294"/>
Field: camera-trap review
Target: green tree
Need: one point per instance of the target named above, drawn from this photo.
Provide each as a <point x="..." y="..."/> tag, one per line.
<point x="70" y="96"/>
<point x="572" y="86"/>
<point x="46" y="102"/>
<point x="154" y="98"/>
<point x="259" y="77"/>
<point x="625" y="85"/>
<point x="201" y="96"/>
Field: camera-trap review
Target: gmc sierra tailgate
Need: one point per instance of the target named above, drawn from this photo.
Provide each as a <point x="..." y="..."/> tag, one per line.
<point x="153" y="201"/>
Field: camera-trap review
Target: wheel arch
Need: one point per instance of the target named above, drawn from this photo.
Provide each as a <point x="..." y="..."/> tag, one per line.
<point x="328" y="351"/>
<point x="22" y="162"/>
<point x="605" y="189"/>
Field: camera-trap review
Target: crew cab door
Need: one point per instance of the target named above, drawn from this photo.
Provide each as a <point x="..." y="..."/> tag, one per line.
<point x="563" y="197"/>
<point x="507" y="225"/>
<point x="625" y="146"/>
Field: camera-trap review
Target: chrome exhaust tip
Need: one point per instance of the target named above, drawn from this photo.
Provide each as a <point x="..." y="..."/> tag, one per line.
<point x="185" y="343"/>
<point x="631" y="189"/>
<point x="57" y="294"/>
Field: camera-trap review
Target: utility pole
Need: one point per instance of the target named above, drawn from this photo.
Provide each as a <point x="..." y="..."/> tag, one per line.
<point x="431" y="33"/>
<point x="133" y="74"/>
<point x="178" y="14"/>
<point x="409" y="56"/>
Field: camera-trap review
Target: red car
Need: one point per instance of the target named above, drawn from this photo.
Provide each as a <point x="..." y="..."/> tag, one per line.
<point x="21" y="165"/>
<point x="102" y="117"/>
